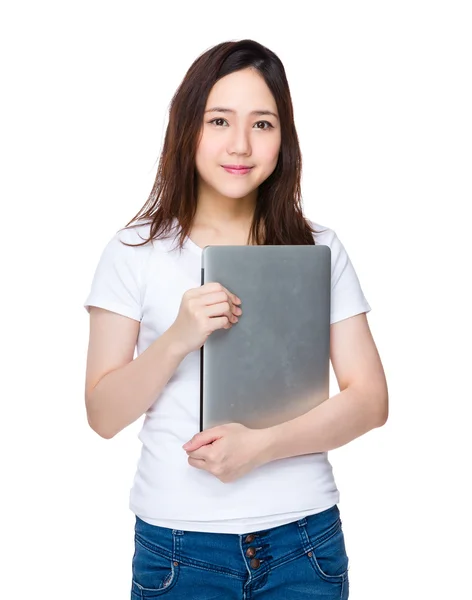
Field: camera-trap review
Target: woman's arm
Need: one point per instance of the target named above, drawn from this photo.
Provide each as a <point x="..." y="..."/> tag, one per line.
<point x="232" y="450"/>
<point x="361" y="405"/>
<point x="119" y="389"/>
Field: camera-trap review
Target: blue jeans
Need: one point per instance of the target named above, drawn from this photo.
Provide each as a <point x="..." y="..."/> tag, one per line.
<point x="303" y="559"/>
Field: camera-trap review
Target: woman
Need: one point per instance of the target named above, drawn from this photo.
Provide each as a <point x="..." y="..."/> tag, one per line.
<point x="233" y="511"/>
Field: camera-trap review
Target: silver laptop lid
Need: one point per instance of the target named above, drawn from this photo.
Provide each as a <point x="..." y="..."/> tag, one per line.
<point x="273" y="365"/>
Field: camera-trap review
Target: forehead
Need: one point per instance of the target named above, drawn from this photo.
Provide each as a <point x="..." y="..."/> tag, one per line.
<point x="242" y="91"/>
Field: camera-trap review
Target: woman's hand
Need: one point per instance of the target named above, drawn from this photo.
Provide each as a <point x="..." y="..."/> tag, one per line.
<point x="202" y="311"/>
<point x="228" y="451"/>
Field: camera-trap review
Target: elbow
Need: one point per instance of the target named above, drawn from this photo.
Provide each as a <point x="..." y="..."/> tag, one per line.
<point x="377" y="397"/>
<point x="382" y="420"/>
<point x="103" y="433"/>
<point x="375" y="406"/>
<point x="98" y="427"/>
<point x="381" y="412"/>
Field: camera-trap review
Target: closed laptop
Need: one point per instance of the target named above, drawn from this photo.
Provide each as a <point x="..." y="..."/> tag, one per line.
<point x="273" y="365"/>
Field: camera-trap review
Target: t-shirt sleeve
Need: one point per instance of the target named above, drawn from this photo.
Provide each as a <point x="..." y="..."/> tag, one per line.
<point x="347" y="297"/>
<point x="116" y="284"/>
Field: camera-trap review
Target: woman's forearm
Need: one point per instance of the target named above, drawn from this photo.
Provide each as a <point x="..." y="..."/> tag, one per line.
<point x="335" y="422"/>
<point x="123" y="395"/>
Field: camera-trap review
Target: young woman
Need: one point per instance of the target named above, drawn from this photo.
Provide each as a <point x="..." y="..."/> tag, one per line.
<point x="230" y="512"/>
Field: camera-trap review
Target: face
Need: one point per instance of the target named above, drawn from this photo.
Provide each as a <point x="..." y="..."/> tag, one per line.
<point x="240" y="129"/>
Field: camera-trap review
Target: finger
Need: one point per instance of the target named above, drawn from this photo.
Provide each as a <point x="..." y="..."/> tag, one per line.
<point x="218" y="310"/>
<point x="207" y="436"/>
<point x="214" y="286"/>
<point x="220" y="323"/>
<point x="219" y="299"/>
<point x="200" y="453"/>
<point x="213" y="299"/>
<point x="216" y="298"/>
<point x="197" y="463"/>
<point x="211" y="287"/>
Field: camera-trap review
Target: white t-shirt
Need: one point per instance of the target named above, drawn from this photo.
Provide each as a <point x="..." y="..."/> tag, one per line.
<point x="147" y="284"/>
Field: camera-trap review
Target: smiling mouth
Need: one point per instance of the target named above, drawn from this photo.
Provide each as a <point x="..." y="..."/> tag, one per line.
<point x="236" y="169"/>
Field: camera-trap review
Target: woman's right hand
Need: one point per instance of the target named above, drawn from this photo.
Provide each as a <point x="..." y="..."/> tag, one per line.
<point x="202" y="311"/>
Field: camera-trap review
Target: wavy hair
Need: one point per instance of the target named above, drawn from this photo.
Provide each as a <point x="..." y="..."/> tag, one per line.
<point x="278" y="217"/>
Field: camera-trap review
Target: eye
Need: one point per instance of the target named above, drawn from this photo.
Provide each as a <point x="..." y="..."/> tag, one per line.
<point x="269" y="125"/>
<point x="217" y="119"/>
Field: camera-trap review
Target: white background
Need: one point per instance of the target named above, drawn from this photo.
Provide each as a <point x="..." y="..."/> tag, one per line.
<point x="382" y="97"/>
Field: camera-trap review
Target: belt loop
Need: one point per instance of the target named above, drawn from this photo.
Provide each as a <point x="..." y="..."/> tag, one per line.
<point x="305" y="540"/>
<point x="302" y="522"/>
<point x="176" y="544"/>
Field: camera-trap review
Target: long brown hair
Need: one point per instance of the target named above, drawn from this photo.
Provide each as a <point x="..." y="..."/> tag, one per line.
<point x="278" y="216"/>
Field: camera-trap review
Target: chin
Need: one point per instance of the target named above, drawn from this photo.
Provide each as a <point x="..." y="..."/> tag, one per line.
<point x="235" y="192"/>
<point x="235" y="189"/>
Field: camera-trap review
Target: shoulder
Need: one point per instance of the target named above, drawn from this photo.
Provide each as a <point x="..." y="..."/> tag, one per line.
<point x="324" y="235"/>
<point x="132" y="242"/>
<point x="341" y="265"/>
<point x="140" y="232"/>
<point x="134" y="234"/>
<point x="122" y="252"/>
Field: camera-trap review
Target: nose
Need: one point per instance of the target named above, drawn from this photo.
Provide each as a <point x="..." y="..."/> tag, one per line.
<point x="239" y="142"/>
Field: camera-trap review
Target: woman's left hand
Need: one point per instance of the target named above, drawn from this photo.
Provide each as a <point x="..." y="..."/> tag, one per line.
<point x="228" y="451"/>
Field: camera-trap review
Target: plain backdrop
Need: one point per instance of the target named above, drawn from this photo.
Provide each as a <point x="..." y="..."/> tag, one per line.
<point x="382" y="98"/>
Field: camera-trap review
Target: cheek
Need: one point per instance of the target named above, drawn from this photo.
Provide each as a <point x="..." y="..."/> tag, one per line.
<point x="207" y="151"/>
<point x="270" y="154"/>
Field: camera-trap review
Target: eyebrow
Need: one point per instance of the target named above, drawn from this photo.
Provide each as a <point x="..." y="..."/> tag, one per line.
<point x="229" y="110"/>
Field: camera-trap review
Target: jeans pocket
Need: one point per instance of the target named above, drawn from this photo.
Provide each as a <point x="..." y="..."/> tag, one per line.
<point x="154" y="573"/>
<point x="328" y="556"/>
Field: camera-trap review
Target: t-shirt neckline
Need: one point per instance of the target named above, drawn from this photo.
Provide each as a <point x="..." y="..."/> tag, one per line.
<point x="193" y="246"/>
<point x="188" y="243"/>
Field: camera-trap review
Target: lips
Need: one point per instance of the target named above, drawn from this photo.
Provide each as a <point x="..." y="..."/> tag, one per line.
<point x="237" y="169"/>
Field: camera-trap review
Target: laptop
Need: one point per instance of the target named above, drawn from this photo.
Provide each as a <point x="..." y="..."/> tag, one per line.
<point x="272" y="365"/>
